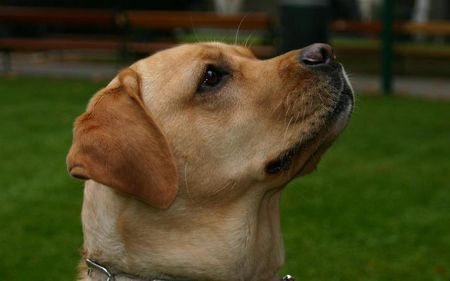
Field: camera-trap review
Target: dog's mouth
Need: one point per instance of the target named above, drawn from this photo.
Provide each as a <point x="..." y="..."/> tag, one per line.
<point x="318" y="143"/>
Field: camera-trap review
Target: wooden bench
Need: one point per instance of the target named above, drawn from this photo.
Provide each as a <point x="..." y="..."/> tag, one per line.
<point x="118" y="27"/>
<point x="373" y="29"/>
<point x="154" y="20"/>
<point x="80" y="17"/>
<point x="39" y="17"/>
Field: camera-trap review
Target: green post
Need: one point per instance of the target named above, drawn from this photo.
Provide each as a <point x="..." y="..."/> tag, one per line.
<point x="387" y="47"/>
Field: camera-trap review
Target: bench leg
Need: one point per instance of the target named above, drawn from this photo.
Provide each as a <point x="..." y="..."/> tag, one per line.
<point x="7" y="67"/>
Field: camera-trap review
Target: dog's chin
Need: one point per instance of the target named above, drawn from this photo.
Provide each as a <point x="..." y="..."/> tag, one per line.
<point x="336" y="123"/>
<point x="325" y="140"/>
<point x="302" y="158"/>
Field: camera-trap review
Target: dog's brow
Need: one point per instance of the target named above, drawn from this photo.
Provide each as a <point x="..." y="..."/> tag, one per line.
<point x="214" y="54"/>
<point x="218" y="52"/>
<point x="243" y="52"/>
<point x="217" y="57"/>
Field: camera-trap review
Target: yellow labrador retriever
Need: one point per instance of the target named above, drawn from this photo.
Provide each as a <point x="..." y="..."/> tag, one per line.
<point x="185" y="154"/>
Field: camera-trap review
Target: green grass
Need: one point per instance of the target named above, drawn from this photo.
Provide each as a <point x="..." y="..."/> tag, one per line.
<point x="378" y="208"/>
<point x="40" y="234"/>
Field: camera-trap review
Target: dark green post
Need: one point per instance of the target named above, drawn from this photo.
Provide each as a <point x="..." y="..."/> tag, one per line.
<point x="303" y="22"/>
<point x="387" y="47"/>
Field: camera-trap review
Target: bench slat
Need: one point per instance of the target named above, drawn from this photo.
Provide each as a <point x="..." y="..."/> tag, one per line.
<point x="179" y="19"/>
<point x="402" y="51"/>
<point x="105" y="44"/>
<point x="374" y="27"/>
<point x="79" y="17"/>
<point x="58" y="44"/>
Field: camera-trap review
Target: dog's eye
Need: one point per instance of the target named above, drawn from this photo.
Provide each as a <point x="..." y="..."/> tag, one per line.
<point x="211" y="79"/>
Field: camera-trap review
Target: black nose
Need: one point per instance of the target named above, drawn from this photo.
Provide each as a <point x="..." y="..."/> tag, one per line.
<point x="317" y="54"/>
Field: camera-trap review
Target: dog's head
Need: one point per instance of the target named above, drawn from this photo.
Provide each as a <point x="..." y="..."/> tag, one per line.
<point x="209" y="121"/>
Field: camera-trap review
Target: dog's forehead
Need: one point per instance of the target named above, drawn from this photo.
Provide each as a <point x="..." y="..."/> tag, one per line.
<point x="214" y="49"/>
<point x="189" y="54"/>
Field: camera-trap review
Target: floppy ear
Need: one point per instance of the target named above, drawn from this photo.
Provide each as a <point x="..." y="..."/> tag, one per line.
<point x="117" y="143"/>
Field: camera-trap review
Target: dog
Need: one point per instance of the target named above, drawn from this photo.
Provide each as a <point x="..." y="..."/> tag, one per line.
<point x="185" y="154"/>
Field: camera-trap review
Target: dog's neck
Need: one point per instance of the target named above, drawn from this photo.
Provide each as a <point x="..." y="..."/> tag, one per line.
<point x="188" y="241"/>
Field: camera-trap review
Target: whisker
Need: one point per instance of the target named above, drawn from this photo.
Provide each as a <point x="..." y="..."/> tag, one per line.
<point x="197" y="40"/>
<point x="238" y="28"/>
<point x="287" y="127"/>
<point x="304" y="113"/>
<point x="223" y="188"/>
<point x="251" y="43"/>
<point x="288" y="109"/>
<point x="248" y="38"/>
<point x="186" y="181"/>
<point x="296" y="118"/>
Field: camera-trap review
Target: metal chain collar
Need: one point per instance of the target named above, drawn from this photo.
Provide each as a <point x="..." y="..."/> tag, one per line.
<point x="112" y="277"/>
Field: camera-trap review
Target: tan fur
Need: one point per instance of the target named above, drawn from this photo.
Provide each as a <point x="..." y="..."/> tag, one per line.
<point x="117" y="143"/>
<point x="206" y="208"/>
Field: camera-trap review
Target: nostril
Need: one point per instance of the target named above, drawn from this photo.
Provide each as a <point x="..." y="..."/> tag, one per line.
<point x="317" y="54"/>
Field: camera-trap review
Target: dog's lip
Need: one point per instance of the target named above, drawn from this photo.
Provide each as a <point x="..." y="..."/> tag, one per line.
<point x="335" y="123"/>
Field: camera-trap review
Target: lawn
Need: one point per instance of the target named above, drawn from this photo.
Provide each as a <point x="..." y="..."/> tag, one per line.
<point x="377" y="209"/>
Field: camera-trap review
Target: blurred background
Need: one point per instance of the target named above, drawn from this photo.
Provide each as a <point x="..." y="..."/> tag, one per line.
<point x="378" y="206"/>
